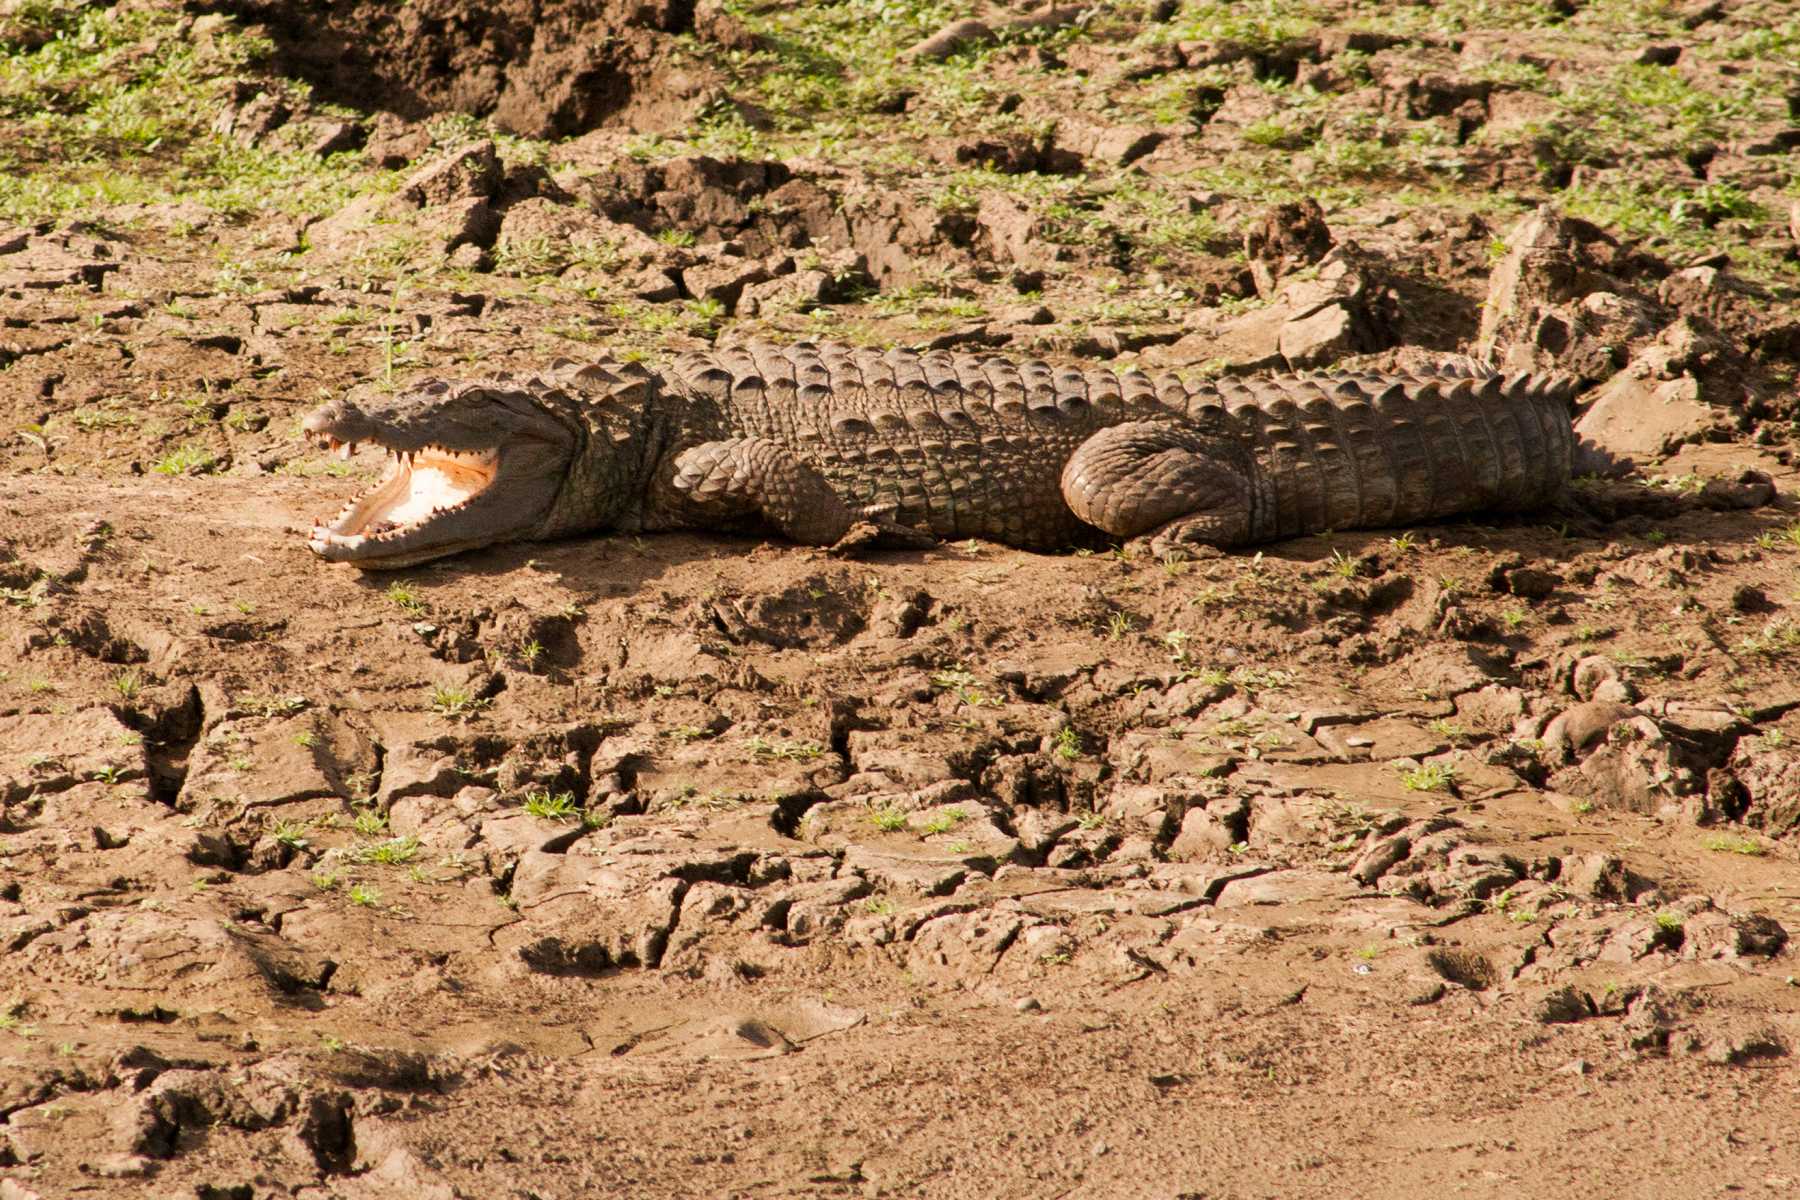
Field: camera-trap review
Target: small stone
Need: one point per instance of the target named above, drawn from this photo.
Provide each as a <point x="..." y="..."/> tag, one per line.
<point x="1575" y="1066"/>
<point x="1028" y="1004"/>
<point x="1530" y="583"/>
<point x="1748" y="598"/>
<point x="952" y="38"/>
<point x="1662" y="54"/>
<point x="1564" y="1006"/>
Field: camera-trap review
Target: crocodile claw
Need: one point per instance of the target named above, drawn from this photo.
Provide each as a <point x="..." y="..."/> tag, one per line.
<point x="876" y="534"/>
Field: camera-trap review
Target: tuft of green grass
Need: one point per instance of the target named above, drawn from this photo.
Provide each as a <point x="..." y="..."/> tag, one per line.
<point x="188" y="459"/>
<point x="544" y="804"/>
<point x="394" y="852"/>
<point x="456" y="703"/>
<point x="1723" y="843"/>
<point x="888" y="820"/>
<point x="1429" y="777"/>
<point x="291" y="834"/>
<point x="406" y="599"/>
<point x="945" y="821"/>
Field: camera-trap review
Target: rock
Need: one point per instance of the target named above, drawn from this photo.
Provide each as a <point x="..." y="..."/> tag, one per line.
<point x="1633" y="419"/>
<point x="1649" y="1020"/>
<point x="1597" y="677"/>
<point x="1319" y="339"/>
<point x="393" y="142"/>
<point x="1732" y="1043"/>
<point x="1563" y="1006"/>
<point x="1638" y="767"/>
<point x="1709" y="935"/>
<point x="724" y="279"/>
<point x="249" y="118"/>
<point x="1115" y="145"/>
<point x="596" y="907"/>
<point x="1599" y="876"/>
<point x="1283" y="239"/>
<point x="473" y="172"/>
<point x="1580" y="725"/>
<point x="1770" y="775"/>
<point x="1548" y="265"/>
<point x="471" y="221"/>
<point x="333" y="137"/>
<point x="963" y="945"/>
<point x="1532" y="583"/>
<point x="950" y="40"/>
<point x="58" y="752"/>
<point x="1380" y="855"/>
<point x="257" y="762"/>
<point x="554" y="235"/>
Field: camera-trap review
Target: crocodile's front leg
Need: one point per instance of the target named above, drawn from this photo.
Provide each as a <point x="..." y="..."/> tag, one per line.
<point x="1166" y="479"/>
<point x="736" y="478"/>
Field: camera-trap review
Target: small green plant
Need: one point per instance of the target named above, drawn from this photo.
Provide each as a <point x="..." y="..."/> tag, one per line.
<point x="1091" y="820"/>
<point x="291" y="834"/>
<point x="394" y="852"/>
<point x="1668" y="922"/>
<point x="794" y="751"/>
<point x="456" y="703"/>
<point x="189" y="459"/>
<point x="330" y="1044"/>
<point x="1343" y="565"/>
<point x="548" y="806"/>
<point x="888" y="819"/>
<point x="1453" y="731"/>
<point x="306" y="739"/>
<point x="128" y="684"/>
<point x="1722" y="843"/>
<point x="406" y="599"/>
<point x="1429" y="777"/>
<point x="945" y="821"/>
<point x="364" y="895"/>
<point x="370" y="823"/>
<point x="1118" y="625"/>
<point x="326" y="881"/>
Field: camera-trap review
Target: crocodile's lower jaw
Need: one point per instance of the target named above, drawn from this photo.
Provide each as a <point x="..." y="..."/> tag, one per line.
<point x="394" y="522"/>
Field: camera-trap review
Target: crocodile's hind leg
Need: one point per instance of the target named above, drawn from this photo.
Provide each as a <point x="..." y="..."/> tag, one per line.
<point x="744" y="477"/>
<point x="1168" y="480"/>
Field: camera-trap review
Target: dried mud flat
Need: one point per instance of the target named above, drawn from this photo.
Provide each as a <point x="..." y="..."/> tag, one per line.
<point x="1391" y="863"/>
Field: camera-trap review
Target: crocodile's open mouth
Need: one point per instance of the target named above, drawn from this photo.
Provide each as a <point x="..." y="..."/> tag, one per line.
<point x="469" y="464"/>
<point x="419" y="487"/>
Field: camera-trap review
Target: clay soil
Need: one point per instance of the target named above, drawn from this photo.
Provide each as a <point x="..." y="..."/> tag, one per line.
<point x="1390" y="863"/>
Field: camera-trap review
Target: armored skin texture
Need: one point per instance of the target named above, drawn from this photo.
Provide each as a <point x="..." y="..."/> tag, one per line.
<point x="826" y="443"/>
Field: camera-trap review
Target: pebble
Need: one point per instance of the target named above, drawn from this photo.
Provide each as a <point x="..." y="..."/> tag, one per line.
<point x="1028" y="1004"/>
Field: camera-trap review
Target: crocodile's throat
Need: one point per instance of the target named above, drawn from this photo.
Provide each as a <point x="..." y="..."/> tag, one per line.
<point x="419" y="488"/>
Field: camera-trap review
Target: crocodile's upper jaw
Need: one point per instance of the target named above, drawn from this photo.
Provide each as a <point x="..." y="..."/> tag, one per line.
<point x="492" y="477"/>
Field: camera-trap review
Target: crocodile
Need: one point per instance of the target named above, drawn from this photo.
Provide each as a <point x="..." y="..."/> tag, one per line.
<point x="831" y="444"/>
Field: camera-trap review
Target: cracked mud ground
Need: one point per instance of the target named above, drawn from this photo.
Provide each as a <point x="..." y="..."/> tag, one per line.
<point x="1460" y="859"/>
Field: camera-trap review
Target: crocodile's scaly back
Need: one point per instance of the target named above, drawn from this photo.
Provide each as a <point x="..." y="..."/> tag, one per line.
<point x="830" y="442"/>
<point x="1362" y="450"/>
<point x="971" y="445"/>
